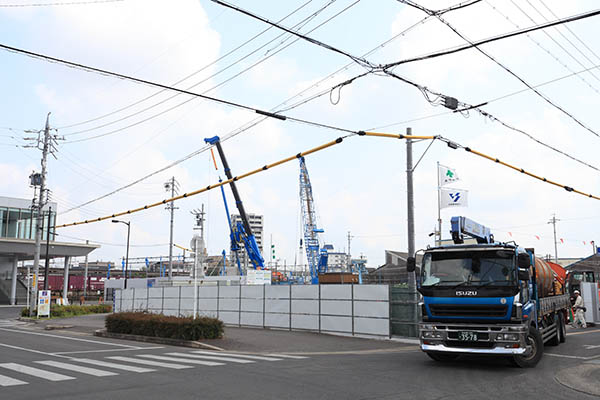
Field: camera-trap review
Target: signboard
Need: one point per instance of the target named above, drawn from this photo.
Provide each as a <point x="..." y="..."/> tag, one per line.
<point x="43" y="308"/>
<point x="258" y="277"/>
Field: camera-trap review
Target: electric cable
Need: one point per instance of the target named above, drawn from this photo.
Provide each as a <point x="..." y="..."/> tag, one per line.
<point x="537" y="92"/>
<point x="191" y="75"/>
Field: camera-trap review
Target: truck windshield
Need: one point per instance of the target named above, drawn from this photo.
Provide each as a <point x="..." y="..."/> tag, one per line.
<point x="469" y="268"/>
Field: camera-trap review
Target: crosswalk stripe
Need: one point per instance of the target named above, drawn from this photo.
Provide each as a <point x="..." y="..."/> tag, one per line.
<point x="182" y="360"/>
<point x="149" y="362"/>
<point x="287" y="356"/>
<point x="6" y="381"/>
<point x="227" y="359"/>
<point x="39" y="373"/>
<point x="252" y="357"/>
<point x="77" y="368"/>
<point x="123" y="367"/>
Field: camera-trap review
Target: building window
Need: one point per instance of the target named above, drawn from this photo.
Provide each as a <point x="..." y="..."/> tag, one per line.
<point x="12" y="223"/>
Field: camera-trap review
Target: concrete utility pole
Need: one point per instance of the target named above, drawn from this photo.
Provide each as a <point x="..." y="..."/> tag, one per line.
<point x="47" y="266"/>
<point x="410" y="212"/>
<point x="39" y="216"/>
<point x="553" y="221"/>
<point x="85" y="273"/>
<point x="171" y="185"/>
<point x="349" y="261"/>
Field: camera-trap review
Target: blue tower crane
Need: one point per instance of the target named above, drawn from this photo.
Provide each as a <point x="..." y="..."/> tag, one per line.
<point x="316" y="256"/>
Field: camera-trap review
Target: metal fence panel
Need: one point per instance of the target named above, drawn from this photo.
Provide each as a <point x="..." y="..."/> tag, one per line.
<point x="255" y="305"/>
<point x="336" y="324"/>
<point x="335" y="307"/>
<point x="310" y="292"/>
<point x="404" y="314"/>
<point x="229" y="304"/>
<point x="252" y="319"/>
<point x="277" y="292"/>
<point x="277" y="306"/>
<point x="305" y="306"/>
<point x="336" y="292"/>
<point x="206" y="292"/>
<point x="277" y="320"/>
<point x="230" y="317"/>
<point x="371" y="326"/>
<point x="375" y="309"/>
<point x="309" y="322"/>
<point x="371" y="292"/>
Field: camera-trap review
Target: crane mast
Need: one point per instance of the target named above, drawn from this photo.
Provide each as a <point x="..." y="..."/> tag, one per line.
<point x="311" y="231"/>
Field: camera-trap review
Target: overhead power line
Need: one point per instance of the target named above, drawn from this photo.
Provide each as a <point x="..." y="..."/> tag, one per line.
<point x="358" y="60"/>
<point x="160" y="85"/>
<point x="62" y="3"/>
<point x="501" y="65"/>
<point x="450" y="143"/>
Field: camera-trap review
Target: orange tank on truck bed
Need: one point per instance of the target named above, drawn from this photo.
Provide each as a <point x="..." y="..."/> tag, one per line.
<point x="550" y="278"/>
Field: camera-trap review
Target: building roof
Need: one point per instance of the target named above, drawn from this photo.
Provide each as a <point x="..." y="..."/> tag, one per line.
<point x="23" y="249"/>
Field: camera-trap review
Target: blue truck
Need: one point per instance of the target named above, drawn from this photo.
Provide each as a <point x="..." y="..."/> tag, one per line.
<point x="489" y="298"/>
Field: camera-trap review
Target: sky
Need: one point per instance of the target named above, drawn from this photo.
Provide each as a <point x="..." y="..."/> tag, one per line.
<point x="116" y="131"/>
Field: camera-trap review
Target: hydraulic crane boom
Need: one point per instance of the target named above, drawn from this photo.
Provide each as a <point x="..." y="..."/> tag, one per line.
<point x="464" y="226"/>
<point x="247" y="236"/>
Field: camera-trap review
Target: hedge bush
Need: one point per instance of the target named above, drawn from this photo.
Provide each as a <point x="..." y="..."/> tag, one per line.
<point x="159" y="325"/>
<point x="57" y="311"/>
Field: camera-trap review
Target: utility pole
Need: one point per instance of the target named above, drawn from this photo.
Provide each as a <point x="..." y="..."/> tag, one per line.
<point x="46" y="147"/>
<point x="171" y="185"/>
<point x="85" y="273"/>
<point x="553" y="222"/>
<point x="410" y="212"/>
<point x="349" y="261"/>
<point x="47" y="250"/>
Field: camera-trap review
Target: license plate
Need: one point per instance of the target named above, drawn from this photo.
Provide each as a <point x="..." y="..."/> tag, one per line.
<point x="467" y="336"/>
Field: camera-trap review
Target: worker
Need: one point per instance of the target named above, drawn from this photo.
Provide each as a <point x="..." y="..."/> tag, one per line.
<point x="579" y="310"/>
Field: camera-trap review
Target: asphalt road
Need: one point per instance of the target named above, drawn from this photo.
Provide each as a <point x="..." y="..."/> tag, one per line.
<point x="330" y="368"/>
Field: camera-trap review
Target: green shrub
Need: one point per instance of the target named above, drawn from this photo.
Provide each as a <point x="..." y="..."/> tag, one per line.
<point x="57" y="311"/>
<point x="159" y="325"/>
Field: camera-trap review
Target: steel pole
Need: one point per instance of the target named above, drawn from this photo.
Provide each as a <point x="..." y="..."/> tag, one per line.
<point x="127" y="255"/>
<point x="47" y="249"/>
<point x="410" y="212"/>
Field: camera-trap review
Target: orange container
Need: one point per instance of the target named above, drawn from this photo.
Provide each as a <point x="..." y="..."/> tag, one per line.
<point x="550" y="278"/>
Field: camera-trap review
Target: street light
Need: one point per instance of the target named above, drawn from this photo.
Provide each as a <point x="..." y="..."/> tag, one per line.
<point x="115" y="221"/>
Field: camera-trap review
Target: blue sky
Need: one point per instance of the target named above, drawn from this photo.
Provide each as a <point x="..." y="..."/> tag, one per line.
<point x="360" y="185"/>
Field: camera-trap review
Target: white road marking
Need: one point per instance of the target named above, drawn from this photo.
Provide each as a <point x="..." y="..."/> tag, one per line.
<point x="30" y="350"/>
<point x="287" y="356"/>
<point x="6" y="381"/>
<point x="106" y="350"/>
<point x="39" y="373"/>
<point x="226" y="359"/>
<point x="77" y="368"/>
<point x="181" y="360"/>
<point x="68" y="338"/>
<point x="123" y="367"/>
<point x="149" y="362"/>
<point x="252" y="357"/>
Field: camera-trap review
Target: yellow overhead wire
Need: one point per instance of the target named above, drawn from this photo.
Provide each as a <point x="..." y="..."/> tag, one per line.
<point x="322" y="147"/>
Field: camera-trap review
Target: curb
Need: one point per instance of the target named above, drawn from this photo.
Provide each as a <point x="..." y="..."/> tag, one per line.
<point x="150" y="339"/>
<point x="53" y="327"/>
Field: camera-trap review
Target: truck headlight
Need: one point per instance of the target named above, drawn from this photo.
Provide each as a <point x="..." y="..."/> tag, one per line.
<point x="432" y="335"/>
<point x="510" y="337"/>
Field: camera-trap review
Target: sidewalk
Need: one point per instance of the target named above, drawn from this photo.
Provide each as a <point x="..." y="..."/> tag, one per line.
<point x="252" y="339"/>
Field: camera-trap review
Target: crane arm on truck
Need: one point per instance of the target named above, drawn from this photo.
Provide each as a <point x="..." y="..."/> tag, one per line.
<point x="243" y="230"/>
<point x="461" y="226"/>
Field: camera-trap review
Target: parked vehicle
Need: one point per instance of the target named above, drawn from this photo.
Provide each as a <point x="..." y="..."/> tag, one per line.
<point x="489" y="298"/>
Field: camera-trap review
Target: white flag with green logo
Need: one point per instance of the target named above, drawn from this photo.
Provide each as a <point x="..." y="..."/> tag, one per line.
<point x="447" y="175"/>
<point x="453" y="197"/>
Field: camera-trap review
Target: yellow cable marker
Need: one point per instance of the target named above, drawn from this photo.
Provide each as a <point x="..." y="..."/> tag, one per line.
<point x="209" y="187"/>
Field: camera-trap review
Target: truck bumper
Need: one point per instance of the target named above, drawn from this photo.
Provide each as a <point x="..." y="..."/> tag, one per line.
<point x="491" y="339"/>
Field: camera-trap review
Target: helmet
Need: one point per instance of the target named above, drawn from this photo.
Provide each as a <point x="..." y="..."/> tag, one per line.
<point x="576" y="291"/>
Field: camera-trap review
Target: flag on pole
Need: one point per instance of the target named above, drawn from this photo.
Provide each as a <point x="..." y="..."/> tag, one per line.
<point x="453" y="197"/>
<point x="447" y="175"/>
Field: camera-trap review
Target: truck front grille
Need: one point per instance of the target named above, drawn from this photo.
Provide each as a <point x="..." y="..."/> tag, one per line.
<point x="468" y="310"/>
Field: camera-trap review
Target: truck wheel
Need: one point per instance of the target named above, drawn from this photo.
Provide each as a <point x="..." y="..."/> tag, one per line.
<point x="563" y="327"/>
<point x="555" y="340"/>
<point x="437" y="356"/>
<point x="535" y="350"/>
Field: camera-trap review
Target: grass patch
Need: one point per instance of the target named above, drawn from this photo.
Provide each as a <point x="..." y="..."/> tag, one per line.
<point x="57" y="311"/>
<point x="159" y="325"/>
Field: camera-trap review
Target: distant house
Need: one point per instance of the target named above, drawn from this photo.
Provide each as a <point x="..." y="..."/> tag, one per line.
<point x="394" y="269"/>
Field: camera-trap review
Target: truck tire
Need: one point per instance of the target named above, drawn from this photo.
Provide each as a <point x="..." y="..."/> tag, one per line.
<point x="536" y="350"/>
<point x="563" y="327"/>
<point x="443" y="357"/>
<point x="555" y="340"/>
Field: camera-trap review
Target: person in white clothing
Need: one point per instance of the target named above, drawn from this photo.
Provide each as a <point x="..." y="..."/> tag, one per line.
<point x="579" y="310"/>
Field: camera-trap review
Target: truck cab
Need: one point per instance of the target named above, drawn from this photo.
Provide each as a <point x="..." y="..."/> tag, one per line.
<point x="483" y="299"/>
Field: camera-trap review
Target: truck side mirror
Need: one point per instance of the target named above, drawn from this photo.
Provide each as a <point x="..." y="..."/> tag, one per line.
<point x="524" y="260"/>
<point x="411" y="264"/>
<point x="523" y="274"/>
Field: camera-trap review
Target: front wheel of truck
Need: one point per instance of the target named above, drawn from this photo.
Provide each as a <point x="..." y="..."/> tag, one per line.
<point x="437" y="356"/>
<point x="535" y="349"/>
